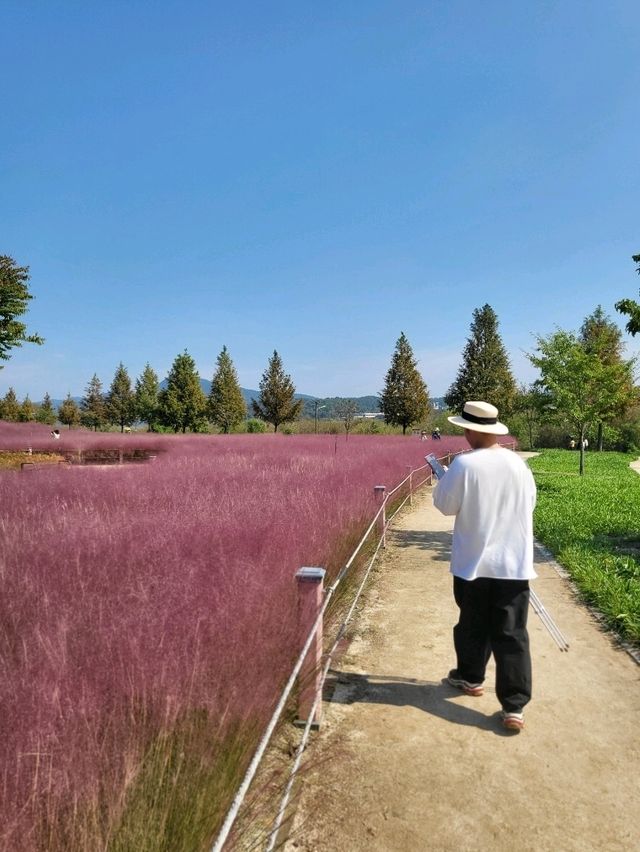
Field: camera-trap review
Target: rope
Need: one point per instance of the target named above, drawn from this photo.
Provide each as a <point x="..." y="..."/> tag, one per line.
<point x="307" y="728"/>
<point x="232" y="814"/>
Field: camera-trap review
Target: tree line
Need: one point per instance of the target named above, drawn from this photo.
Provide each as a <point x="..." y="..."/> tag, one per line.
<point x="585" y="381"/>
<point x="182" y="405"/>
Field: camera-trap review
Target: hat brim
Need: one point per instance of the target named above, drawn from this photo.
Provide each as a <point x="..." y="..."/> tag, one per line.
<point x="490" y="428"/>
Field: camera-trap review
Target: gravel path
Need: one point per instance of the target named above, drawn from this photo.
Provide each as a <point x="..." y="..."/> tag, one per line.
<point x="404" y="762"/>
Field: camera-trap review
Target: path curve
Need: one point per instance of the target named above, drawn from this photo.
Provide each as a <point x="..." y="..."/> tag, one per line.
<point x="404" y="762"/>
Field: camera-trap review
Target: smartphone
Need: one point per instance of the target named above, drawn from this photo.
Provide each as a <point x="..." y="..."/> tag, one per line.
<point x="436" y="467"/>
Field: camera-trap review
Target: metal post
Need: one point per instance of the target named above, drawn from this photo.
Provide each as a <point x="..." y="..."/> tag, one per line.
<point x="310" y="596"/>
<point x="382" y="519"/>
<point x="410" y="484"/>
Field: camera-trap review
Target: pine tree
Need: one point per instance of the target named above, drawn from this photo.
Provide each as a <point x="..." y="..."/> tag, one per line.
<point x="121" y="401"/>
<point x="14" y="297"/>
<point x="276" y="404"/>
<point x="182" y="404"/>
<point x="485" y="372"/>
<point x="147" y="389"/>
<point x="69" y="413"/>
<point x="94" y="413"/>
<point x="10" y="406"/>
<point x="227" y="407"/>
<point x="405" y="399"/>
<point x="46" y="412"/>
<point x="27" y="411"/>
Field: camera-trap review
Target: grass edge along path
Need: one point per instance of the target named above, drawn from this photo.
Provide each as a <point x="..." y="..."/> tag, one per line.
<point x="591" y="524"/>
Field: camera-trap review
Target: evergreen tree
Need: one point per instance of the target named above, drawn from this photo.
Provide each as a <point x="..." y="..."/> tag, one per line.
<point x="69" y="413"/>
<point x="121" y="401"/>
<point x="182" y="404"/>
<point x="601" y="336"/>
<point x="10" y="406"/>
<point x="276" y="404"/>
<point x="147" y="389"/>
<point x="405" y="399"/>
<point x="46" y="412"/>
<point x="27" y="411"/>
<point x="94" y="412"/>
<point x="227" y="407"/>
<point x="485" y="372"/>
<point x="14" y="297"/>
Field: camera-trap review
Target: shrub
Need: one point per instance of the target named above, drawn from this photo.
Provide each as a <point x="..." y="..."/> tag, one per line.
<point x="254" y="425"/>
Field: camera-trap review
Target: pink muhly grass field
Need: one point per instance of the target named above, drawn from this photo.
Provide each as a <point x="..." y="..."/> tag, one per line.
<point x="137" y="598"/>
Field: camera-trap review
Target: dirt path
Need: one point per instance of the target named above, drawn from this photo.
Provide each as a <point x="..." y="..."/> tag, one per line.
<point x="404" y="762"/>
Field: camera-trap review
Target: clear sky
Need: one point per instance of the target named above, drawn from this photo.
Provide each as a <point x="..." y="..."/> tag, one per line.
<point x="313" y="177"/>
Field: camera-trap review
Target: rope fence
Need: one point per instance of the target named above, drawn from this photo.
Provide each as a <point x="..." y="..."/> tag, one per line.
<point x="311" y="714"/>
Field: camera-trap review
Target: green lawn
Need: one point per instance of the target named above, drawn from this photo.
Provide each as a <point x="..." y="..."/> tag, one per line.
<point x="592" y="526"/>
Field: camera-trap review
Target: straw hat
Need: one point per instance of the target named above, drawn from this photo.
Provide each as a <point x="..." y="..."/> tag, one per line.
<point x="480" y="417"/>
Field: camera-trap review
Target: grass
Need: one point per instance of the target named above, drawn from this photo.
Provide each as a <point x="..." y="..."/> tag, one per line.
<point x="148" y="621"/>
<point x="592" y="526"/>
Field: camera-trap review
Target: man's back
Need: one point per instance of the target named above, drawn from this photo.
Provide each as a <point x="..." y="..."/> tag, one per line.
<point x="492" y="494"/>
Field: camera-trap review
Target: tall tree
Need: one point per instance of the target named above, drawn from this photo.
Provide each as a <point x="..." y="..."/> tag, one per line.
<point x="69" y="413"/>
<point x="227" y="407"/>
<point x="601" y="336"/>
<point x="405" y="399"/>
<point x="276" y="404"/>
<point x="10" y="406"/>
<point x="631" y="308"/>
<point x="182" y="404"/>
<point x="14" y="298"/>
<point x="93" y="405"/>
<point x="147" y="388"/>
<point x="27" y="411"/>
<point x="583" y="388"/>
<point x="120" y="400"/>
<point x="46" y="412"/>
<point x="485" y="372"/>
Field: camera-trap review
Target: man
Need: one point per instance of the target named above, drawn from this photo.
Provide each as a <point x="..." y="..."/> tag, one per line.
<point x="492" y="494"/>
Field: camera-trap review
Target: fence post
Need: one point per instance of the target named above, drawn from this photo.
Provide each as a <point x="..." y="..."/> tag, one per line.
<point x="310" y="596"/>
<point x="382" y="519"/>
<point x="410" y="484"/>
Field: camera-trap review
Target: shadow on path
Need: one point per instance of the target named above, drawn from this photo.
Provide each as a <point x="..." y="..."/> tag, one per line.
<point x="438" y="542"/>
<point x="432" y="697"/>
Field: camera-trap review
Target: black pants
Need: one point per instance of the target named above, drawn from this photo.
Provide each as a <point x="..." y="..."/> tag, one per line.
<point x="493" y="618"/>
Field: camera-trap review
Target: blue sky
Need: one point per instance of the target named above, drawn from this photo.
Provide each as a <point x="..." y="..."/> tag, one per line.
<point x="313" y="177"/>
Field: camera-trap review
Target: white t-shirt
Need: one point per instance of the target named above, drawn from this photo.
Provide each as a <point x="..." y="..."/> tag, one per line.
<point x="492" y="494"/>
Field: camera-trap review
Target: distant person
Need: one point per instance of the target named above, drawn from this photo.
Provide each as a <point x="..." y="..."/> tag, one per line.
<point x="56" y="434"/>
<point x="585" y="444"/>
<point x="423" y="435"/>
<point x="572" y="444"/>
<point x="436" y="434"/>
<point x="491" y="493"/>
